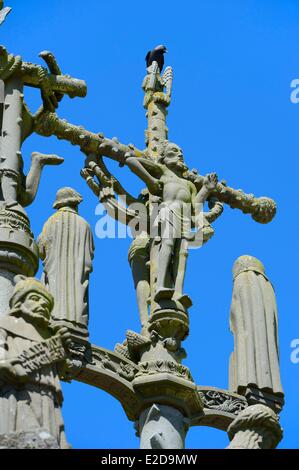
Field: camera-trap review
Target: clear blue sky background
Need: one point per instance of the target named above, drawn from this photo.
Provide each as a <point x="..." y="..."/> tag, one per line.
<point x="231" y="113"/>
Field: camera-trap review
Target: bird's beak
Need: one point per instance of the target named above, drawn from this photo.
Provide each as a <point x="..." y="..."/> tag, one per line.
<point x="166" y="51"/>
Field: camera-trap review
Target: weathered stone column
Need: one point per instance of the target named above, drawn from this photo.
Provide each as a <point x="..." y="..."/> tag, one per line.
<point x="162" y="427"/>
<point x="256" y="427"/>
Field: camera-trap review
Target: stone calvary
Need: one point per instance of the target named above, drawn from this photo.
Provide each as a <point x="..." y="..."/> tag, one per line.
<point x="44" y="324"/>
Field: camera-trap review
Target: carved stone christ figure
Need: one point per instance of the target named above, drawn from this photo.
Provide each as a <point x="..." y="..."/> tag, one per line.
<point x="66" y="248"/>
<point x="30" y="399"/>
<point x="254" y="364"/>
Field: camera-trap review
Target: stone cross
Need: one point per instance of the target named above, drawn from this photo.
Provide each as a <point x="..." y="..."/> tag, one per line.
<point x="17" y="124"/>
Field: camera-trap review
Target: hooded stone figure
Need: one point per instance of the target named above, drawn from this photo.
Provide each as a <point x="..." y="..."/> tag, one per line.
<point x="254" y="364"/>
<point x="30" y="392"/>
<point x="66" y="247"/>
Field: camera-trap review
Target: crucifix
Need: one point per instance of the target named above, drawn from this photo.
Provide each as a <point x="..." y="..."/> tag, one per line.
<point x="144" y="372"/>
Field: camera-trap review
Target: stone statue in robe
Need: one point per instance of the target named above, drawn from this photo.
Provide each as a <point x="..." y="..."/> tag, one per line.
<point x="67" y="248"/>
<point x="30" y="400"/>
<point x="254" y="364"/>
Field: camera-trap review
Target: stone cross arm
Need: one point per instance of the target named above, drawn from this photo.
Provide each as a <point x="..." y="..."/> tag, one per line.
<point x="262" y="209"/>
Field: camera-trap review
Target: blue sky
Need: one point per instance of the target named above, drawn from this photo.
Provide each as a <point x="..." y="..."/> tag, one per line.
<point x="231" y="113"/>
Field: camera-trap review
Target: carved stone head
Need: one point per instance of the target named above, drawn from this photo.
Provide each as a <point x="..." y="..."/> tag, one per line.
<point x="67" y="197"/>
<point x="32" y="301"/>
